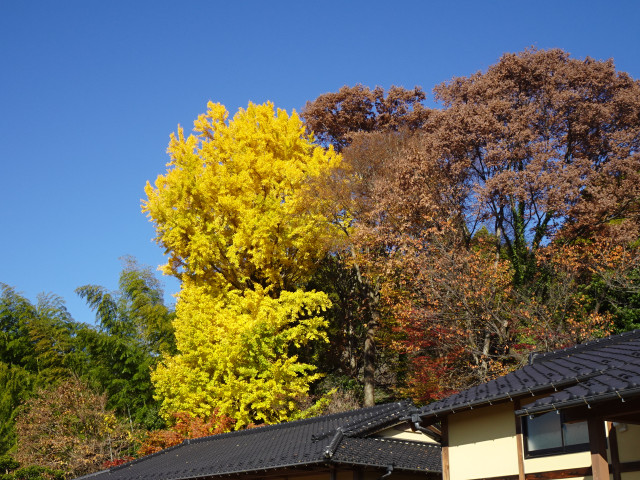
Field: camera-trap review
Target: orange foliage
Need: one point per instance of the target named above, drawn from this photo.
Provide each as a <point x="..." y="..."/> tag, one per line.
<point x="185" y="427"/>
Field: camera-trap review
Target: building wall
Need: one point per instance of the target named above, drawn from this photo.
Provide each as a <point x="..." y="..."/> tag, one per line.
<point x="628" y="442"/>
<point x="555" y="462"/>
<point x="628" y="447"/>
<point x="405" y="433"/>
<point x="558" y="462"/>
<point x="371" y="475"/>
<point x="482" y="443"/>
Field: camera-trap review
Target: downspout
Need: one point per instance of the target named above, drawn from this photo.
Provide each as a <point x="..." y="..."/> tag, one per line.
<point x="415" y="425"/>
<point x="388" y="472"/>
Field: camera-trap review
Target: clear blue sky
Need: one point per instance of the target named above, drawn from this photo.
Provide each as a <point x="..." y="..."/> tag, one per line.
<point x="90" y="91"/>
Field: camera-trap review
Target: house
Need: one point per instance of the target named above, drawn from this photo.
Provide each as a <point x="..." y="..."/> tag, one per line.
<point x="573" y="413"/>
<point x="366" y="444"/>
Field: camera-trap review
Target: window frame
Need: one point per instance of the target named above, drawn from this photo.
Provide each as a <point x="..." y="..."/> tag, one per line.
<point x="546" y="452"/>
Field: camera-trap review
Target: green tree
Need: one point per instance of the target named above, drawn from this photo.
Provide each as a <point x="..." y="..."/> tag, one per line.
<point x="134" y="331"/>
<point x="13" y="471"/>
<point x="36" y="348"/>
<point x="16" y="385"/>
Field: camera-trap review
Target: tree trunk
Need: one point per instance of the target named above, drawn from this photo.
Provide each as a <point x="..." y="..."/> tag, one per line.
<point x="370" y="360"/>
<point x="369" y="352"/>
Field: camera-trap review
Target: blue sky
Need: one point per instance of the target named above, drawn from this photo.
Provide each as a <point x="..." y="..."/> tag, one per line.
<point x="90" y="91"/>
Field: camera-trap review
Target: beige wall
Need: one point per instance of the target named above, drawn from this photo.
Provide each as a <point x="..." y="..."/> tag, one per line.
<point x="628" y="443"/>
<point x="402" y="432"/>
<point x="310" y="476"/>
<point x="628" y="451"/>
<point x="557" y="462"/>
<point x="482" y="443"/>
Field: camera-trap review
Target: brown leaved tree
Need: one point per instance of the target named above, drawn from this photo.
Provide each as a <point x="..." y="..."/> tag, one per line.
<point x="334" y="117"/>
<point x="338" y="119"/>
<point x="67" y="427"/>
<point x="548" y="142"/>
<point x="469" y="226"/>
<point x="469" y="217"/>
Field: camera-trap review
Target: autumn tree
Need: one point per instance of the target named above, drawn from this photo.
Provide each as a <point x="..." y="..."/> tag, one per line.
<point x="338" y="119"/>
<point x="547" y="142"/>
<point x="522" y="156"/>
<point x="237" y="215"/>
<point x="67" y="427"/>
<point x="410" y="208"/>
<point x="335" y="116"/>
<point x="184" y="426"/>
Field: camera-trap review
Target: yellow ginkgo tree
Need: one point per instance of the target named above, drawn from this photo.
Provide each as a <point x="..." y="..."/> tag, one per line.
<point x="238" y="215"/>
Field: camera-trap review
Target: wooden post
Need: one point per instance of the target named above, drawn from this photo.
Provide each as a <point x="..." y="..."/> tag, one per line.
<point x="519" y="442"/>
<point x="598" y="447"/>
<point x="613" y="451"/>
<point x="444" y="443"/>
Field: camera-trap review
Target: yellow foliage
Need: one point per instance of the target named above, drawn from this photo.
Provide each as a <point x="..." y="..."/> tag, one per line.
<point x="234" y="354"/>
<point x="237" y="214"/>
<point x="236" y="206"/>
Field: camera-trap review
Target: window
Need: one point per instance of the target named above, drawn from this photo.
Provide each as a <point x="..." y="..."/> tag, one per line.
<point x="549" y="434"/>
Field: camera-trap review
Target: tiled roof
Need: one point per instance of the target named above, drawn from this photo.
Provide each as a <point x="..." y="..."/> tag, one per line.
<point x="382" y="452"/>
<point x="330" y="439"/>
<point x="590" y="372"/>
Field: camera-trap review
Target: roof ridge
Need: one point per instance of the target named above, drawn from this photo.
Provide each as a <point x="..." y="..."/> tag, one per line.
<point x="330" y="449"/>
<point x="355" y="427"/>
<point x="611" y="340"/>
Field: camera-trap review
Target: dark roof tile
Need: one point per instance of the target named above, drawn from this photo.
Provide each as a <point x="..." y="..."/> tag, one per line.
<point x="601" y="368"/>
<point x="288" y="445"/>
<point x="382" y="452"/>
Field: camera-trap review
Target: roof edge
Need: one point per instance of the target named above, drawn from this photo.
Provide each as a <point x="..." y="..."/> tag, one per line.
<point x="500" y="398"/>
<point x="609" y="340"/>
<point x="576" y="402"/>
<point x="383" y="465"/>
